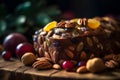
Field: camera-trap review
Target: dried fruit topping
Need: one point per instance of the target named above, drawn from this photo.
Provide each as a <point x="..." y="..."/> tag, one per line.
<point x="93" y="23"/>
<point x="50" y="26"/>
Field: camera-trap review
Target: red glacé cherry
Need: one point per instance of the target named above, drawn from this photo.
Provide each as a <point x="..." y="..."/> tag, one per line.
<point x="68" y="65"/>
<point x="6" y="55"/>
<point x="22" y="48"/>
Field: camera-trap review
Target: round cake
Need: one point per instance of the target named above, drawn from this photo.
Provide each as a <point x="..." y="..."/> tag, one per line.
<point x="78" y="39"/>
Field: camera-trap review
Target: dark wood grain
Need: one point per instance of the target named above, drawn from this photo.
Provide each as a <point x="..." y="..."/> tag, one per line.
<point x="15" y="70"/>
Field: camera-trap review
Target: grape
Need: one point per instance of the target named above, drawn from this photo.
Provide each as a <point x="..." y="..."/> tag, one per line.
<point x="22" y="48"/>
<point x="6" y="55"/>
<point x="12" y="40"/>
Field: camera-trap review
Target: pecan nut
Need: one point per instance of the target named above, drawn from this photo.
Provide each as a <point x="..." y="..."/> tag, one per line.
<point x="111" y="64"/>
<point x="61" y="24"/>
<point x="42" y="64"/>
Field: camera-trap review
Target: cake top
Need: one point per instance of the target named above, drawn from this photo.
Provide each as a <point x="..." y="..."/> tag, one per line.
<point x="79" y="27"/>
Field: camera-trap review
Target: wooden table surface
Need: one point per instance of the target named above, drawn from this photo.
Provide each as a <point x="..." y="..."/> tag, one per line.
<point x="15" y="70"/>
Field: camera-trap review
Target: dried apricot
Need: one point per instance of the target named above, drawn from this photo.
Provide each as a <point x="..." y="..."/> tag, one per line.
<point x="50" y="26"/>
<point x="93" y="23"/>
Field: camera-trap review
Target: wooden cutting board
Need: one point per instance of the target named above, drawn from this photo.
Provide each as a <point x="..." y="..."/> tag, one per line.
<point x="15" y="70"/>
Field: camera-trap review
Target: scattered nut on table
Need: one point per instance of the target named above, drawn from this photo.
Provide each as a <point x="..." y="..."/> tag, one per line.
<point x="28" y="58"/>
<point x="56" y="66"/>
<point x="82" y="69"/>
<point x="42" y="63"/>
<point x="95" y="65"/>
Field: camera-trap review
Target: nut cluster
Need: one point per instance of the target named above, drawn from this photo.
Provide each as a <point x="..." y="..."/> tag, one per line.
<point x="79" y="40"/>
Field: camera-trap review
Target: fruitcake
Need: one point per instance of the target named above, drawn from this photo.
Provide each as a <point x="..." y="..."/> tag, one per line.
<point x="78" y="39"/>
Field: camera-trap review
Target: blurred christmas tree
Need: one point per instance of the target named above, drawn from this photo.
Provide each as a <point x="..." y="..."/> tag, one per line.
<point x="27" y="17"/>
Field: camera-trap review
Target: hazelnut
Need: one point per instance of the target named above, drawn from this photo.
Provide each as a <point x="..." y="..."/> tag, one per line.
<point x="28" y="58"/>
<point x="95" y="65"/>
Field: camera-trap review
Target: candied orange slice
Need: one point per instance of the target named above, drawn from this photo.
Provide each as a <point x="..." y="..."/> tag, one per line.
<point x="50" y="26"/>
<point x="93" y="23"/>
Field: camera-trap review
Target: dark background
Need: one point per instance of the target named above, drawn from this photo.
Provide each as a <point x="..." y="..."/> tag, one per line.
<point x="11" y="14"/>
<point x="81" y="8"/>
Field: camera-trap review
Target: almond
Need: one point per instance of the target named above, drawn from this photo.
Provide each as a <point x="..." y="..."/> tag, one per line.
<point x="89" y="41"/>
<point x="45" y="45"/>
<point x="95" y="39"/>
<point x="41" y="53"/>
<point x="40" y="41"/>
<point x="82" y="69"/>
<point x="71" y="48"/>
<point x="69" y="53"/>
<point x="56" y="66"/>
<point x="46" y="54"/>
<point x="80" y="46"/>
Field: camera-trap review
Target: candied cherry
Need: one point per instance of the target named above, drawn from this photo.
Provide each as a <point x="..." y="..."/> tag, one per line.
<point x="50" y="26"/>
<point x="93" y="23"/>
<point x="81" y="63"/>
<point x="68" y="65"/>
<point x="22" y="48"/>
<point x="6" y="55"/>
